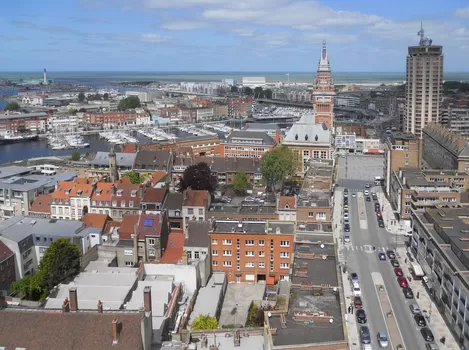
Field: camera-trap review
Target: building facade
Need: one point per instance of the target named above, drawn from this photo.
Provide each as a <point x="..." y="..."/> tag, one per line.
<point x="14" y="123"/>
<point x="400" y="150"/>
<point x="7" y="269"/>
<point x="252" y="251"/>
<point x="244" y="144"/>
<point x="456" y="119"/>
<point x="323" y="91"/>
<point x="424" y="87"/>
<point x="444" y="149"/>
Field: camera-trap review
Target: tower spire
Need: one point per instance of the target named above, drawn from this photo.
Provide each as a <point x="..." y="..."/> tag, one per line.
<point x="324" y="60"/>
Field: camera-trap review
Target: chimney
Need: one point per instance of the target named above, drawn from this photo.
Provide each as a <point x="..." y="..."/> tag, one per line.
<point x="73" y="298"/>
<point x="116" y="328"/>
<point x="141" y="191"/>
<point x="66" y="306"/>
<point x="147" y="299"/>
<point x="184" y="258"/>
<point x="100" y="307"/>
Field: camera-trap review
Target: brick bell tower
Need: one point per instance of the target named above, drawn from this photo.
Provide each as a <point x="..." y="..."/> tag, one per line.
<point x="323" y="91"/>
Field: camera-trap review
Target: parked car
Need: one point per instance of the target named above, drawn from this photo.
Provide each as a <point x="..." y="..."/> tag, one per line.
<point x="377" y="208"/>
<point x="398" y="272"/>
<point x="354" y="195"/>
<point x="391" y="254"/>
<point x="381" y="223"/>
<point x="354" y="277"/>
<point x="383" y="340"/>
<point x="378" y="213"/>
<point x="382" y="256"/>
<point x="345" y="206"/>
<point x="357" y="292"/>
<point x="402" y="282"/>
<point x="427" y="334"/>
<point x="346" y="215"/>
<point x="408" y="293"/>
<point x="414" y="308"/>
<point x="431" y="346"/>
<point x="367" y="193"/>
<point x="346" y="228"/>
<point x="365" y="335"/>
<point x="367" y="185"/>
<point x="361" y="316"/>
<point x="358" y="302"/>
<point x="394" y="263"/>
<point x="420" y="320"/>
<point x="368" y="199"/>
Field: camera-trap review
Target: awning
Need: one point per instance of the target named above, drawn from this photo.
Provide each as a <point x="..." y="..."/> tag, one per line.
<point x="417" y="269"/>
<point x="270" y="281"/>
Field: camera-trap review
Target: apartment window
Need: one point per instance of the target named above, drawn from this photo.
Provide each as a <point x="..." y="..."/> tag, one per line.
<point x="214" y="241"/>
<point x="261" y="254"/>
<point x="227" y="242"/>
<point x="261" y="242"/>
<point x="316" y="154"/>
<point x="406" y="162"/>
<point x="284" y="254"/>
<point x="311" y="214"/>
<point x="284" y="265"/>
<point x="201" y="211"/>
<point x="227" y="253"/>
<point x="323" y="154"/>
<point x="306" y="153"/>
<point x="93" y="203"/>
<point x="249" y="242"/>
<point x="189" y="255"/>
<point x="214" y="252"/>
<point x="249" y="264"/>
<point x="214" y="263"/>
<point x="284" y="243"/>
<point x="129" y="263"/>
<point x="196" y="255"/>
<point x="190" y="211"/>
<point x="131" y="204"/>
<point x="114" y="203"/>
<point x="320" y="216"/>
<point x="407" y="204"/>
<point x="151" y="241"/>
<point x="54" y="211"/>
<point x="227" y="263"/>
<point x="262" y="264"/>
<point x="407" y="195"/>
<point x="250" y="253"/>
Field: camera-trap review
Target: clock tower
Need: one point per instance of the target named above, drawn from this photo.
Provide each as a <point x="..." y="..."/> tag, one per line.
<point x="323" y="91"/>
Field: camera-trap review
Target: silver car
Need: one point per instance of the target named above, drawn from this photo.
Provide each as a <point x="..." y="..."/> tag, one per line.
<point x="414" y="308"/>
<point x="383" y="340"/>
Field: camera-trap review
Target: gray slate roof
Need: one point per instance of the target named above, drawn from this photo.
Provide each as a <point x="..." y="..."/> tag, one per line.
<point x="23" y="115"/>
<point x="174" y="201"/>
<point x="198" y="234"/>
<point x="306" y="133"/>
<point x="236" y="135"/>
<point x="122" y="159"/>
<point x="152" y="160"/>
<point x="262" y="126"/>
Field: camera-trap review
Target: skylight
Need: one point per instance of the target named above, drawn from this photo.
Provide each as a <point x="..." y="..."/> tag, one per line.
<point x="148" y="222"/>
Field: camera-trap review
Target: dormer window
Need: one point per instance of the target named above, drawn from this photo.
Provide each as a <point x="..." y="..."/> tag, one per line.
<point x="296" y="137"/>
<point x="98" y="192"/>
<point x="67" y="191"/>
<point x="133" y="193"/>
<point x="287" y="206"/>
<point x="120" y="192"/>
<point x="79" y="192"/>
<point x="306" y="137"/>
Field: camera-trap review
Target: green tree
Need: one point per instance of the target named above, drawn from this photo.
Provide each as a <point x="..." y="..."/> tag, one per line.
<point x="76" y="156"/>
<point x="133" y="176"/>
<point x="247" y="91"/>
<point x="61" y="262"/>
<point x="234" y="89"/>
<point x="81" y="97"/>
<point x="268" y="94"/>
<point x="12" y="106"/>
<point x="106" y="96"/>
<point x="198" y="177"/>
<point x="129" y="103"/>
<point x="258" y="92"/>
<point x="277" y="165"/>
<point x="31" y="287"/>
<point x="240" y="182"/>
<point x="203" y="322"/>
<point x="72" y="111"/>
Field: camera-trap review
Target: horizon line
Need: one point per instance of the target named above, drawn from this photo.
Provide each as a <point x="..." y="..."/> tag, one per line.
<point x="205" y="71"/>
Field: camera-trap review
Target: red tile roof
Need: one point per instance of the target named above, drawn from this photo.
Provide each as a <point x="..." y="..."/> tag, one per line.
<point x="95" y="220"/>
<point x="287" y="202"/>
<point x="41" y="204"/>
<point x="110" y="227"/>
<point x="154" y="195"/>
<point x="103" y="191"/>
<point x="128" y="226"/>
<point x="195" y="198"/>
<point x="129" y="148"/>
<point x="127" y="195"/>
<point x="149" y="226"/>
<point x="174" y="248"/>
<point x="157" y="176"/>
<point x="5" y="252"/>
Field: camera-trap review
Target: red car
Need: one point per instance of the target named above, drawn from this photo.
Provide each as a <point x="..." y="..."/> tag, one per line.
<point x="402" y="282"/>
<point x="358" y="303"/>
<point x="398" y="272"/>
<point x="378" y="213"/>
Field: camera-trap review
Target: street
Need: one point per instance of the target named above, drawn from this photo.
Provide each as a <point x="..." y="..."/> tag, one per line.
<point x="353" y="173"/>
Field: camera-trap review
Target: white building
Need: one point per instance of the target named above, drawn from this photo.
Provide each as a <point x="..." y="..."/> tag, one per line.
<point x="64" y="122"/>
<point x="32" y="100"/>
<point x="145" y="96"/>
<point x="347" y="101"/>
<point x="253" y="82"/>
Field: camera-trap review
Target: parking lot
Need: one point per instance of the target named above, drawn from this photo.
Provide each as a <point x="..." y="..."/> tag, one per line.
<point x="360" y="167"/>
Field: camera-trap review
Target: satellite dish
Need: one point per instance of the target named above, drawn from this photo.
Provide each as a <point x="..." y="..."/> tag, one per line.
<point x="322" y="246"/>
<point x="269" y="314"/>
<point x="331" y="320"/>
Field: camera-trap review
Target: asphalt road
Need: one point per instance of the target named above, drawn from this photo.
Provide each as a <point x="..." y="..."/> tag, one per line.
<point x="362" y="259"/>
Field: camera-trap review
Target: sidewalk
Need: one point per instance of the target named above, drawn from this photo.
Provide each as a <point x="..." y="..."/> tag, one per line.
<point x="350" y="320"/>
<point x="434" y="319"/>
<point x="390" y="221"/>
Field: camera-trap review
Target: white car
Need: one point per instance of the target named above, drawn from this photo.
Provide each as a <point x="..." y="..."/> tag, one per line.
<point x="357" y="292"/>
<point x="346" y="217"/>
<point x="367" y="192"/>
<point x="353" y="195"/>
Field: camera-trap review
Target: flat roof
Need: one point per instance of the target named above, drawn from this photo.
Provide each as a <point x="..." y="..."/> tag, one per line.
<point x="23" y="115"/>
<point x="208" y="297"/>
<point x="161" y="290"/>
<point x="12" y="170"/>
<point x="253" y="227"/>
<point x="32" y="182"/>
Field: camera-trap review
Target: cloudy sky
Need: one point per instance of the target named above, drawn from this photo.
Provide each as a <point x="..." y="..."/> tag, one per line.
<point x="226" y="35"/>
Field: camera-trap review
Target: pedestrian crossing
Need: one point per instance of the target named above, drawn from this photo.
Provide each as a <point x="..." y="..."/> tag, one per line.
<point x="366" y="248"/>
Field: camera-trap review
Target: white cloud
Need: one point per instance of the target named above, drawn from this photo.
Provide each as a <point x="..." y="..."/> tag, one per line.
<point x="317" y="38"/>
<point x="462" y="13"/>
<point x="244" y="32"/>
<point x="151" y="38"/>
<point x="165" y="4"/>
<point x="184" y="25"/>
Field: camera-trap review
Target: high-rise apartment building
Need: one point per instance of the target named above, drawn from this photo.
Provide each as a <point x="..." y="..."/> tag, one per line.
<point x="323" y="91"/>
<point x="424" y="88"/>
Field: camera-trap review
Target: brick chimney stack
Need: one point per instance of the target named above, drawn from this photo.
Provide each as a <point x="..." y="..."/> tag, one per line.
<point x="147" y="299"/>
<point x="66" y="306"/>
<point x="116" y="328"/>
<point x="100" y="306"/>
<point x="73" y="295"/>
